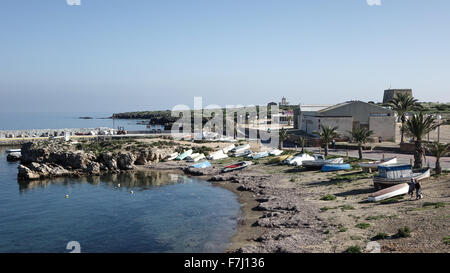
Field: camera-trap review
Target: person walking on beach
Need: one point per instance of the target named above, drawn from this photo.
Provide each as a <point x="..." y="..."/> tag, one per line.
<point x="419" y="194"/>
<point x="412" y="185"/>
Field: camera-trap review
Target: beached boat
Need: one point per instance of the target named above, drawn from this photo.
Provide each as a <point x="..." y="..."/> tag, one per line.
<point x="397" y="174"/>
<point x="13" y="151"/>
<point x="335" y="167"/>
<point x="389" y="192"/>
<point x="240" y="149"/>
<point x="195" y="157"/>
<point x="217" y="155"/>
<point x="258" y="155"/>
<point x="241" y="153"/>
<point x="297" y="160"/>
<point x="228" y="148"/>
<point x="201" y="165"/>
<point x="172" y="156"/>
<point x="319" y="161"/>
<point x="275" y="152"/>
<point x="184" y="155"/>
<point x="237" y="166"/>
<point x="373" y="166"/>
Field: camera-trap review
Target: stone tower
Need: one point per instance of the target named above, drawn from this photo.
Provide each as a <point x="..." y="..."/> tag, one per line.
<point x="389" y="94"/>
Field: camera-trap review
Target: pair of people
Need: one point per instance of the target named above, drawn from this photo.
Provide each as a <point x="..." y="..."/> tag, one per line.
<point x="415" y="185"/>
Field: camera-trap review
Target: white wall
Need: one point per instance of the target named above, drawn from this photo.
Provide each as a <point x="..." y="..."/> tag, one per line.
<point x="384" y="127"/>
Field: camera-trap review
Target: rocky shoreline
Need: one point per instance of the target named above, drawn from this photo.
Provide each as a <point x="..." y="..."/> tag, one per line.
<point x="55" y="160"/>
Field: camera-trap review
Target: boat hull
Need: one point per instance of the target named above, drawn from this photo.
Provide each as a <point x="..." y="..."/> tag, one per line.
<point x="335" y="167"/>
<point x="201" y="165"/>
<point x="389" y="192"/>
<point x="382" y="182"/>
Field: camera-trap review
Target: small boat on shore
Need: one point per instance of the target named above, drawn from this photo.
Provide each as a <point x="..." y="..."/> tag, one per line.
<point x="172" y="156"/>
<point x="240" y="149"/>
<point x="201" y="165"/>
<point x="237" y="166"/>
<point x="258" y="155"/>
<point x="397" y="174"/>
<point x="13" y="151"/>
<point x="228" y="148"/>
<point x="298" y="159"/>
<point x="373" y="166"/>
<point x="195" y="157"/>
<point x="217" y="155"/>
<point x="319" y="161"/>
<point x="389" y="192"/>
<point x="275" y="152"/>
<point x="242" y="153"/>
<point x="335" y="167"/>
<point x="184" y="155"/>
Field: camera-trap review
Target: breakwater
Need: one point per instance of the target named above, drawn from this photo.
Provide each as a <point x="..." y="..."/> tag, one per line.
<point x="17" y="137"/>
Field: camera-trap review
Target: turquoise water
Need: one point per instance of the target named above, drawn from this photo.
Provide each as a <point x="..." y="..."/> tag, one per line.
<point x="166" y="213"/>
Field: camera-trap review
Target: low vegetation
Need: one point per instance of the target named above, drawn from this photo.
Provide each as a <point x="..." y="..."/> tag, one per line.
<point x="353" y="249"/>
<point x="363" y="225"/>
<point x="380" y="236"/>
<point x="404" y="232"/>
<point x="328" y="197"/>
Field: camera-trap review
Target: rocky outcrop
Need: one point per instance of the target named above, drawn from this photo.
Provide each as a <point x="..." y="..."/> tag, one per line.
<point x="42" y="160"/>
<point x="14" y="157"/>
<point x="125" y="161"/>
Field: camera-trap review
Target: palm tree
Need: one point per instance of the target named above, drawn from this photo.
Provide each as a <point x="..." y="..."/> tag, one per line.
<point x="302" y="142"/>
<point x="439" y="150"/>
<point x="361" y="136"/>
<point x="419" y="126"/>
<point x="403" y="103"/>
<point x="282" y="137"/>
<point x="327" y="135"/>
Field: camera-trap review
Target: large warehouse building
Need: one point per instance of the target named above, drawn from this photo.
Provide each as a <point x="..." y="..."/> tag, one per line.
<point x="347" y="115"/>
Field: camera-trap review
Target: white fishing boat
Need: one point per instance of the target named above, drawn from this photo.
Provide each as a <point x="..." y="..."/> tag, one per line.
<point x="373" y="166"/>
<point x="319" y="161"/>
<point x="195" y="157"/>
<point x="217" y="155"/>
<point x="275" y="152"/>
<point x="228" y="148"/>
<point x="242" y="153"/>
<point x="297" y="160"/>
<point x="13" y="151"/>
<point x="258" y="155"/>
<point x="241" y="148"/>
<point x="172" y="156"/>
<point x="397" y="174"/>
<point x="389" y="192"/>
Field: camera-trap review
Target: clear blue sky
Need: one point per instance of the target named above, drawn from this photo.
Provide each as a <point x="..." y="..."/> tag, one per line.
<point x="117" y="55"/>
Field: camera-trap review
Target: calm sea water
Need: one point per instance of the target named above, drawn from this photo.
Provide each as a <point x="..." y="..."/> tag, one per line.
<point x="166" y="213"/>
<point x="19" y="121"/>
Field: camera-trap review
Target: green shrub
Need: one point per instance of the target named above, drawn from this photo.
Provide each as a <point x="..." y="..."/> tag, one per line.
<point x="447" y="240"/>
<point x="328" y="197"/>
<point x="380" y="236"/>
<point x="403" y="233"/>
<point x="353" y="249"/>
<point x="363" y="225"/>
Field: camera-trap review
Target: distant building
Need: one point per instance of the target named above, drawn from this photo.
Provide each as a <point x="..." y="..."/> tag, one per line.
<point x="389" y="94"/>
<point x="285" y="117"/>
<point x="284" y="102"/>
<point x="346" y="116"/>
